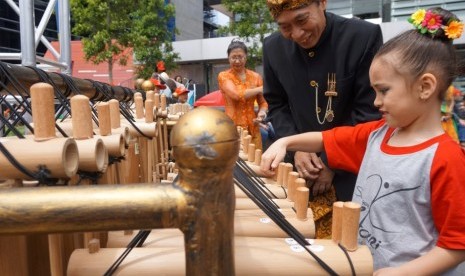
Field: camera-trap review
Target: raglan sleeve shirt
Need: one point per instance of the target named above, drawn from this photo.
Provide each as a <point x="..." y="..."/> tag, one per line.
<point x="346" y="146"/>
<point x="448" y="195"/>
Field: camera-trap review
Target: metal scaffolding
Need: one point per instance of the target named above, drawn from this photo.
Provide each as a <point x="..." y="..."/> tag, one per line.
<point x="31" y="35"/>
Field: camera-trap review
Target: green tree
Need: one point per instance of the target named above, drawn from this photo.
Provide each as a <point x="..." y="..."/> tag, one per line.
<point x="252" y="24"/>
<point x="152" y="38"/>
<point x="111" y="30"/>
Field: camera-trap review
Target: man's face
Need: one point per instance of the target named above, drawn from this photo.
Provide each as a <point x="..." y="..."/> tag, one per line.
<point x="305" y="25"/>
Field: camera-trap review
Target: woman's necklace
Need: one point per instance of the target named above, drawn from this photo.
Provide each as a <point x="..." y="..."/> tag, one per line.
<point x="329" y="113"/>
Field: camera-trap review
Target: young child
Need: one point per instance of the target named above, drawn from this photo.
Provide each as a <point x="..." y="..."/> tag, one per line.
<point x="410" y="173"/>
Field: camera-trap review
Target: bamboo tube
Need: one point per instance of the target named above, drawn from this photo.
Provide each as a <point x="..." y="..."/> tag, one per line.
<point x="301" y="203"/>
<point x="114" y="114"/>
<point x="60" y="156"/>
<point x="165" y="145"/>
<point x="336" y="228"/>
<point x="245" y="133"/>
<point x="271" y="190"/>
<point x="247" y="141"/>
<point x="291" y="178"/>
<point x="257" y="224"/>
<point x="123" y="130"/>
<point x="148" y="111"/>
<point x="132" y="164"/>
<point x="156" y="159"/>
<point x="171" y="237"/>
<point x="239" y="131"/>
<point x="55" y="245"/>
<point x="114" y="144"/>
<point x="43" y="111"/>
<point x="244" y="203"/>
<point x="150" y="95"/>
<point x="251" y="153"/>
<point x="24" y="255"/>
<point x="350" y="220"/>
<point x="139" y="102"/>
<point x="104" y="119"/>
<point x="148" y="129"/>
<point x="143" y="158"/>
<point x="65" y="125"/>
<point x="156" y="100"/>
<point x="279" y="177"/>
<point x="81" y="117"/>
<point x="160" y="167"/>
<point x="299" y="182"/>
<point x="286" y="170"/>
<point x="93" y="246"/>
<point x="168" y="237"/>
<point x="163" y="102"/>
<point x="93" y="156"/>
<point x="149" y="164"/>
<point x="252" y="257"/>
<point x="258" y="157"/>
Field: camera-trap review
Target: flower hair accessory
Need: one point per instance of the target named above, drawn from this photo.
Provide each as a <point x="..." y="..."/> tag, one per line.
<point x="429" y="22"/>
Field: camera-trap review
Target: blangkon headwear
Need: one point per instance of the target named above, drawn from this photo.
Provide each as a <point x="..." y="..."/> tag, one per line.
<point x="276" y="7"/>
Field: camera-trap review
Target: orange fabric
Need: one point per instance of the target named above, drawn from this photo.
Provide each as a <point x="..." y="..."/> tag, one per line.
<point x="239" y="109"/>
<point x="447" y="121"/>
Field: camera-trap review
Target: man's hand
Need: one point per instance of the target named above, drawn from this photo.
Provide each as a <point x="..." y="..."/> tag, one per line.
<point x="308" y="165"/>
<point x="324" y="182"/>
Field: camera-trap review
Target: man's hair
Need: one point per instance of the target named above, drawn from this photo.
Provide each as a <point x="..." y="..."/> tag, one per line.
<point x="236" y="44"/>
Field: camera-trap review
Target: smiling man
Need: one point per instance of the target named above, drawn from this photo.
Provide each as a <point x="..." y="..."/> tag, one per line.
<point x="316" y="78"/>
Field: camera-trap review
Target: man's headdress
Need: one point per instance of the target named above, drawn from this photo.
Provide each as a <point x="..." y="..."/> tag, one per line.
<point x="276" y="7"/>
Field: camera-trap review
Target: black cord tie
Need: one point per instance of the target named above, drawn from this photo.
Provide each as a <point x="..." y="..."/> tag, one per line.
<point x="42" y="174"/>
<point x="112" y="160"/>
<point x="348" y="258"/>
<point x="92" y="176"/>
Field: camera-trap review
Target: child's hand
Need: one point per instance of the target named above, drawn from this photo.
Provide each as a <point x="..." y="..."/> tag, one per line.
<point x="273" y="156"/>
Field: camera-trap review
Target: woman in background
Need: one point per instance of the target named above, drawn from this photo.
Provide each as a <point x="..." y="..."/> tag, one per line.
<point x="241" y="88"/>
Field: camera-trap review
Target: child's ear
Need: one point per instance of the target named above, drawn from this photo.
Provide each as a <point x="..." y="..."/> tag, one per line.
<point x="427" y="84"/>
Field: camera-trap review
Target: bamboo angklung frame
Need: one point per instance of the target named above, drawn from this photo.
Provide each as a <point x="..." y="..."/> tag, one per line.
<point x="208" y="156"/>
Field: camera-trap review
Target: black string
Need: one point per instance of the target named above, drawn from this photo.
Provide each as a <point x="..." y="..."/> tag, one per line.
<point x="260" y="183"/>
<point x="22" y="94"/>
<point x="348" y="258"/>
<point x="137" y="241"/>
<point x="256" y="188"/>
<point x="92" y="176"/>
<point x="268" y="209"/>
<point x="72" y="87"/>
<point x="112" y="160"/>
<point x="42" y="174"/>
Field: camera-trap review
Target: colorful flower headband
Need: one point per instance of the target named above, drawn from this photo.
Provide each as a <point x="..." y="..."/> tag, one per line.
<point x="430" y="22"/>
